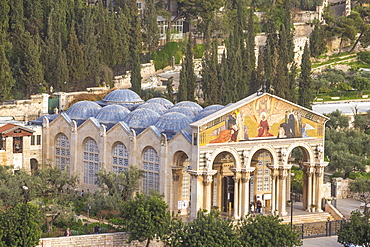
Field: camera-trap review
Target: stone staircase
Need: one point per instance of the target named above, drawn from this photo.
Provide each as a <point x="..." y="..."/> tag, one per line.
<point x="307" y="218"/>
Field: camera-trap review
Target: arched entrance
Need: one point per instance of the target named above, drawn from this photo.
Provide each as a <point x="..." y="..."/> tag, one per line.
<point x="34" y="164"/>
<point x="223" y="182"/>
<point x="181" y="183"/>
<point x="261" y="181"/>
<point x="298" y="190"/>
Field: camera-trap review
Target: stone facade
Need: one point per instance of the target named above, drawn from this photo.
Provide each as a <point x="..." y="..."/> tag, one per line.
<point x="29" y="155"/>
<point x="101" y="240"/>
<point x="197" y="167"/>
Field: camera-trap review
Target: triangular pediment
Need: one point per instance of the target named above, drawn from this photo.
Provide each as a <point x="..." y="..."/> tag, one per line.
<point x="258" y="117"/>
<point x="14" y="130"/>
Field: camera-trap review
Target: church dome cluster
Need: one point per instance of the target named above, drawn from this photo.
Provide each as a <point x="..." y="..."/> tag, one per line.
<point x="126" y="107"/>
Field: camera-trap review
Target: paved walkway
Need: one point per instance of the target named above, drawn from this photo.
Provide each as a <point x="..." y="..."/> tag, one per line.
<point x="321" y="242"/>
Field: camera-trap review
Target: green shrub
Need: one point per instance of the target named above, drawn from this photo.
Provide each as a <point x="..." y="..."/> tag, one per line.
<point x="364" y="56"/>
<point x="163" y="57"/>
<point x="199" y="50"/>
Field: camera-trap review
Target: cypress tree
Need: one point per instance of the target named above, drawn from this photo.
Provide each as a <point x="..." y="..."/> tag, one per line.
<point x="271" y="56"/>
<point x="251" y="59"/>
<point x="281" y="78"/>
<point x="260" y="69"/>
<point x="6" y="79"/>
<point x="150" y="27"/>
<point x="188" y="66"/>
<point x="122" y="52"/>
<point x="222" y="79"/>
<point x="75" y="59"/>
<point x="210" y="83"/>
<point x="182" y="94"/>
<point x="305" y="89"/>
<point x="32" y="73"/>
<point x="317" y="41"/>
<point x="292" y="84"/>
<point x="90" y="48"/>
<point x="169" y="89"/>
<point x="107" y="42"/>
<point x="135" y="40"/>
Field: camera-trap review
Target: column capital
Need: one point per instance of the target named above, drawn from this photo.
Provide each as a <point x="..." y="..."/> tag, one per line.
<point x="176" y="172"/>
<point x="207" y="179"/>
<point x="283" y="173"/>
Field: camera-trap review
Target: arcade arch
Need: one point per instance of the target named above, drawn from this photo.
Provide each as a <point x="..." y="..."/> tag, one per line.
<point x="181" y="183"/>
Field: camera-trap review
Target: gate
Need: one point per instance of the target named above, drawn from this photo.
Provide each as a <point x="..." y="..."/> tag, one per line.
<point x="52" y="103"/>
<point x="319" y="229"/>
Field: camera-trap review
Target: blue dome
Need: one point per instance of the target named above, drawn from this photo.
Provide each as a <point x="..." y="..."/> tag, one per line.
<point x="129" y="106"/>
<point x="203" y="114"/>
<point x="212" y="108"/>
<point x="186" y="111"/>
<point x="172" y="121"/>
<point x="158" y="108"/>
<point x="112" y="114"/>
<point x="191" y="105"/>
<point x="123" y="96"/>
<point x="83" y="110"/>
<point x="165" y="102"/>
<point x="141" y="118"/>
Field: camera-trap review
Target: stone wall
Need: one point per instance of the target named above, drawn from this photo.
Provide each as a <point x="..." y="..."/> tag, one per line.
<point x="342" y="188"/>
<point x="118" y="239"/>
<point x="25" y="110"/>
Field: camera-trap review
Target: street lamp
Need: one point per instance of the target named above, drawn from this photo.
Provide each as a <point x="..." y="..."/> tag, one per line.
<point x="291" y="199"/>
<point x="25" y="191"/>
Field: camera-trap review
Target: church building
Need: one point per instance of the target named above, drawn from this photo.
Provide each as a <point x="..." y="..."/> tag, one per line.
<point x="224" y="157"/>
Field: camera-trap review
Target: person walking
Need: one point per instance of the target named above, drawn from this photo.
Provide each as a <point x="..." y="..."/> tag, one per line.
<point x="67" y="233"/>
<point x="259" y="207"/>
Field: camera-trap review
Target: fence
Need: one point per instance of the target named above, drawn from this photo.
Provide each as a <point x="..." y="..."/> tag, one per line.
<point x="319" y="229"/>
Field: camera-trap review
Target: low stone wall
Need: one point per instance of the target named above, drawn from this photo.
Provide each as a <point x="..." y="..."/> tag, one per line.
<point x="118" y="239"/>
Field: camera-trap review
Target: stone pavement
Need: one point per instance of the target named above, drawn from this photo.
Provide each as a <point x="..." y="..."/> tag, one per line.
<point x="346" y="206"/>
<point x="321" y="242"/>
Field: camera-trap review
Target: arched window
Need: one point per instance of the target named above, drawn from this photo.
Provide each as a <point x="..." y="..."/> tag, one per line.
<point x="62" y="152"/>
<point x="151" y="170"/>
<point x="120" y="157"/>
<point x="91" y="161"/>
<point x="263" y="172"/>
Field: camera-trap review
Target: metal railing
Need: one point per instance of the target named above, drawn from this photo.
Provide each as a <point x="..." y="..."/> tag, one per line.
<point x="319" y="229"/>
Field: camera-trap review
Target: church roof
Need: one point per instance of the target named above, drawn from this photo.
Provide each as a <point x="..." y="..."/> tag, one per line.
<point x="164" y="102"/>
<point x="123" y="96"/>
<point x="186" y="111"/>
<point x="191" y="105"/>
<point x="112" y="114"/>
<point x="158" y="108"/>
<point x="172" y="121"/>
<point x="141" y="118"/>
<point x="83" y="110"/>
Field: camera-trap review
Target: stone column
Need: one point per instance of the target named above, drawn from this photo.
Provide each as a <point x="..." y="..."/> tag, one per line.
<point x="274" y="190"/>
<point x="320" y="182"/>
<point x="196" y="196"/>
<point x="236" y="197"/>
<point x="309" y="189"/>
<point x="245" y="197"/>
<point x="282" y="185"/>
<point x="176" y="170"/>
<point x="207" y="181"/>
